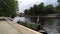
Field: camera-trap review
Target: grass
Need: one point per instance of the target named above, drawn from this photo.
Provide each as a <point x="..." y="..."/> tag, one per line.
<point x="33" y="26"/>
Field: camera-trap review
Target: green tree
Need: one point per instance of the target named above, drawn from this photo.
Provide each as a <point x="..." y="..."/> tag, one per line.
<point x="57" y="9"/>
<point x="8" y="8"/>
<point x="50" y="9"/>
<point x="41" y="9"/>
<point x="35" y="9"/>
<point x="59" y="1"/>
<point x="26" y="12"/>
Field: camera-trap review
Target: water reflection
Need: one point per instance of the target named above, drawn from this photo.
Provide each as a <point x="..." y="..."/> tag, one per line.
<point x="52" y="26"/>
<point x="21" y="19"/>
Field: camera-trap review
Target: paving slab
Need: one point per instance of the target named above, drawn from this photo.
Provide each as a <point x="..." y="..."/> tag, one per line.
<point x="5" y="28"/>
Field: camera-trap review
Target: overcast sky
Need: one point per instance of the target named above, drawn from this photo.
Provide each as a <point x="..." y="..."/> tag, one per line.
<point x="25" y="4"/>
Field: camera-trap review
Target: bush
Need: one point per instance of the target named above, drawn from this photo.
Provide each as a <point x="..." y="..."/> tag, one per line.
<point x="33" y="26"/>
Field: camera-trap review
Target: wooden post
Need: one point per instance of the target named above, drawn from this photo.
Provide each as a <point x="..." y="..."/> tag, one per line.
<point x="38" y="19"/>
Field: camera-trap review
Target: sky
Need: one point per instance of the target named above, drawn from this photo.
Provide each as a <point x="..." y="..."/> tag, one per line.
<point x="26" y="4"/>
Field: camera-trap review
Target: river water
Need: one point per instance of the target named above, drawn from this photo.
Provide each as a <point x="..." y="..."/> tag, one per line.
<point x="21" y="19"/>
<point x="52" y="26"/>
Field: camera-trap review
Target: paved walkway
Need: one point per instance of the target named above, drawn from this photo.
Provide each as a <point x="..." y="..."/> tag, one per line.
<point x="6" y="28"/>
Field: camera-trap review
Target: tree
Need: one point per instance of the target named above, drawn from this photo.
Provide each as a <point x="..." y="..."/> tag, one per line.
<point x="26" y="12"/>
<point x="35" y="9"/>
<point x="8" y="8"/>
<point x="59" y="1"/>
<point x="41" y="9"/>
<point x="50" y="9"/>
<point x="57" y="8"/>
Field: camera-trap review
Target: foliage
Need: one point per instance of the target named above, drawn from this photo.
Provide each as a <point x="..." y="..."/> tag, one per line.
<point x="58" y="8"/>
<point x="59" y="1"/>
<point x="8" y="8"/>
<point x="40" y="10"/>
<point x="33" y="26"/>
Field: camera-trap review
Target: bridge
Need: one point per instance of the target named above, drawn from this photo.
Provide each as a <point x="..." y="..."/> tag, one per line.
<point x="9" y="27"/>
